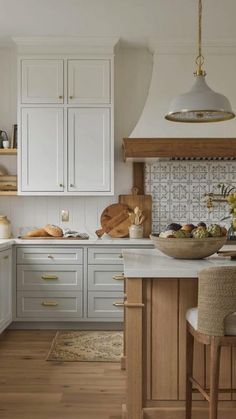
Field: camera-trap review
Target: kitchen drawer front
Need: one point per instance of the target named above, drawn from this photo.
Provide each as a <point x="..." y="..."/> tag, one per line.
<point x="100" y="305"/>
<point x="107" y="256"/>
<point x="49" y="255"/>
<point x="49" y="304"/>
<point x="102" y="278"/>
<point x="57" y="277"/>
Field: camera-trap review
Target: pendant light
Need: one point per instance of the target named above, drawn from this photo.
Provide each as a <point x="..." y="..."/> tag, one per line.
<point x="201" y="103"/>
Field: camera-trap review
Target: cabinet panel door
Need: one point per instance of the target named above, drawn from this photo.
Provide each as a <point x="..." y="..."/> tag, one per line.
<point x="5" y="289"/>
<point x="42" y="81"/>
<point x="42" y="150"/>
<point x="88" y="81"/>
<point x="89" y="150"/>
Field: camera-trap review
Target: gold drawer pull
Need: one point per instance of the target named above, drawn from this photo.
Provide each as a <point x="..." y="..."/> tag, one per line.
<point x="49" y="303"/>
<point x="119" y="277"/>
<point x="49" y="277"/>
<point x="6" y="257"/>
<point x="119" y="304"/>
<point x="60" y="97"/>
<point x="50" y="257"/>
<point x="134" y="305"/>
<point x="71" y="97"/>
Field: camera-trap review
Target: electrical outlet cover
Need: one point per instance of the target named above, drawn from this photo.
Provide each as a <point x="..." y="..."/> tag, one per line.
<point x="65" y="215"/>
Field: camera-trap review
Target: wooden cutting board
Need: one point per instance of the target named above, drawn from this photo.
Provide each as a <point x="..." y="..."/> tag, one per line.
<point x="115" y="221"/>
<point x="144" y="202"/>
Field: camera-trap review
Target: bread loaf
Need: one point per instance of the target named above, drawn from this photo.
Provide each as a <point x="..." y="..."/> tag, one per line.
<point x="53" y="230"/>
<point x="38" y="232"/>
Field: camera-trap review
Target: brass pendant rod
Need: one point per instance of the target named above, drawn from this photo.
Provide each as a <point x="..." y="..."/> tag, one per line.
<point x="200" y="58"/>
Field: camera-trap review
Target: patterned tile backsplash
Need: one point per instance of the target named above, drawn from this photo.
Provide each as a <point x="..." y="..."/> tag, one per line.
<point x="178" y="189"/>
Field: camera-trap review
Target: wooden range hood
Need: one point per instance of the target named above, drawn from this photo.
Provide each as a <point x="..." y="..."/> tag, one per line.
<point x="143" y="149"/>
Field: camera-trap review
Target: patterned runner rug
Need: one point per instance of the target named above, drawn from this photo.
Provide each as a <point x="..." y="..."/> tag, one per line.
<point x="95" y="346"/>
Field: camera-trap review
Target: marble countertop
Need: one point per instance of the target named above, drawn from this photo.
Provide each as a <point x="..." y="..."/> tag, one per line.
<point x="150" y="263"/>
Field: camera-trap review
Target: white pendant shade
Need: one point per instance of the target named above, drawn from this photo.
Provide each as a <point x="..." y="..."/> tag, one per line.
<point x="200" y="104"/>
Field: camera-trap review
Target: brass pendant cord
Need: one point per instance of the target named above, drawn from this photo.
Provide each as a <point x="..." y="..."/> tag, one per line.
<point x="200" y="58"/>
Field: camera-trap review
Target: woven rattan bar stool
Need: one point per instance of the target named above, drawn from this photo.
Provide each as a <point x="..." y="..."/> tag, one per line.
<point x="212" y="323"/>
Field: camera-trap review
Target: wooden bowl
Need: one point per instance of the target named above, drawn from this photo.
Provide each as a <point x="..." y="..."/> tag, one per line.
<point x="188" y="248"/>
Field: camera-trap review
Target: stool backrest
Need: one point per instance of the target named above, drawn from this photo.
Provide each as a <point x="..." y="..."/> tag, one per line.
<point x="216" y="298"/>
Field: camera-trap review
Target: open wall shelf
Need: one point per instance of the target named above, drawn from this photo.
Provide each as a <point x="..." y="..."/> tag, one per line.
<point x="8" y="151"/>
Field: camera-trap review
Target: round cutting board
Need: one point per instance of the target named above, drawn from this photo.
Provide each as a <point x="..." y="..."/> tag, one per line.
<point x="115" y="220"/>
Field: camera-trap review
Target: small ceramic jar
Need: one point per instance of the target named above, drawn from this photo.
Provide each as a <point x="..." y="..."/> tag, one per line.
<point x="136" y="231"/>
<point x="5" y="227"/>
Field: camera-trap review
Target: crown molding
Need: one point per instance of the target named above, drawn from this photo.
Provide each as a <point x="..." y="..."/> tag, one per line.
<point x="182" y="47"/>
<point x="99" y="45"/>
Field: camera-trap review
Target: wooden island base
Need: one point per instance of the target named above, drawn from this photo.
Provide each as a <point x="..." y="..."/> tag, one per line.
<point x="155" y="337"/>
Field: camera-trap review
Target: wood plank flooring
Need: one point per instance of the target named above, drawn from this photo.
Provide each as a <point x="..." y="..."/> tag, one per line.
<point x="32" y="388"/>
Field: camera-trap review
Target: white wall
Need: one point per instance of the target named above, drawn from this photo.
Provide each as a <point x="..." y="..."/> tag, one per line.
<point x="132" y="77"/>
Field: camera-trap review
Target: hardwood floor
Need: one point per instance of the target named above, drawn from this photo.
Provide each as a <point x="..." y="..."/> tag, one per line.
<point x="32" y="388"/>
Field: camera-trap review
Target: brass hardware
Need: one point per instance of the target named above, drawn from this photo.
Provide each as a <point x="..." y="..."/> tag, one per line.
<point x="71" y="185"/>
<point x="119" y="277"/>
<point x="61" y="185"/>
<point x="49" y="277"/>
<point x="49" y="303"/>
<point x="134" y="305"/>
<point x="50" y="257"/>
<point x="71" y="97"/>
<point x="60" y="97"/>
<point x="121" y="256"/>
<point x="118" y="304"/>
<point x="6" y="257"/>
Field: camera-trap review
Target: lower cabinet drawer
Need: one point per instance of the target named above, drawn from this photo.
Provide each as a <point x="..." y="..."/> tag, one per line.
<point x="49" y="255"/>
<point x="41" y="277"/>
<point x="105" y="278"/>
<point x="100" y="304"/>
<point x="50" y="304"/>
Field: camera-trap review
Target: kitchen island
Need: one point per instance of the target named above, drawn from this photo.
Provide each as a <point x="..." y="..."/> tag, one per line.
<point x="159" y="290"/>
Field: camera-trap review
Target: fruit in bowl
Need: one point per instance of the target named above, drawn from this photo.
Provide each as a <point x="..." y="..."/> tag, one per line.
<point x="191" y="242"/>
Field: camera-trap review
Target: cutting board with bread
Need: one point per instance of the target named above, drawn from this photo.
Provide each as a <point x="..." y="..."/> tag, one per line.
<point x="144" y="203"/>
<point x="51" y="231"/>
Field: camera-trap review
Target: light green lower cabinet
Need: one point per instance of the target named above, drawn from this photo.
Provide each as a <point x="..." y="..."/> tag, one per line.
<point x="69" y="283"/>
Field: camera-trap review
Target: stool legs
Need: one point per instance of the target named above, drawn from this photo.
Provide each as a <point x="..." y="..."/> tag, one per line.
<point x="189" y="373"/>
<point x="215" y="350"/>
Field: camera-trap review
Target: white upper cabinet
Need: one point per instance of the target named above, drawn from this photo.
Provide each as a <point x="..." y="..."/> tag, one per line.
<point x="89" y="81"/>
<point x="42" y="150"/>
<point x="5" y="289"/>
<point x="89" y="150"/>
<point x="42" y="81"/>
<point x="66" y="116"/>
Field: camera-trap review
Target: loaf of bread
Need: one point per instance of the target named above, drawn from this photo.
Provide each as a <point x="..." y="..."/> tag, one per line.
<point x="53" y="230"/>
<point x="38" y="232"/>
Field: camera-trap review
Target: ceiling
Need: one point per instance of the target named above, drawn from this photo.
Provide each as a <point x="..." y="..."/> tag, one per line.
<point x="134" y="21"/>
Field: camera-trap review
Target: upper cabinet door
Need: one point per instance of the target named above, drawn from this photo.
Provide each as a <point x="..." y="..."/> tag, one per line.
<point x="89" y="81"/>
<point x="89" y="150"/>
<point x="42" y="150"/>
<point x="42" y="81"/>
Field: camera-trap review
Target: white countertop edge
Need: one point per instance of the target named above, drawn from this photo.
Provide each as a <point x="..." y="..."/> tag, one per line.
<point x="93" y="241"/>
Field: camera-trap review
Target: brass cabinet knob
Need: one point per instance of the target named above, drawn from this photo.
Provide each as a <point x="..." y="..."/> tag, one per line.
<point x="71" y="185"/>
<point x="71" y="97"/>
<point x="60" y="97"/>
<point x="50" y="257"/>
<point x="61" y="185"/>
<point x="6" y="257"/>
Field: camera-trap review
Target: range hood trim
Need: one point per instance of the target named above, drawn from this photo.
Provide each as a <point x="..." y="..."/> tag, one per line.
<point x="142" y="149"/>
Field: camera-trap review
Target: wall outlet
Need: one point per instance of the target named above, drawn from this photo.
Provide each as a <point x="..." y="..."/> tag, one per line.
<point x="64" y="215"/>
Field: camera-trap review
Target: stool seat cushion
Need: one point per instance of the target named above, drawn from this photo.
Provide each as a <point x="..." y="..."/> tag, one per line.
<point x="230" y="322"/>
